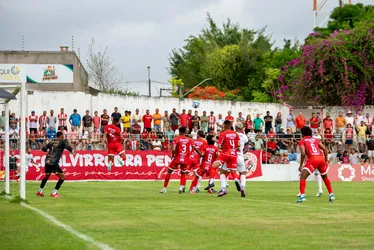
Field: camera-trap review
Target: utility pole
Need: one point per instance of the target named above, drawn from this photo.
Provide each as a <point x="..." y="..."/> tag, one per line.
<point x="149" y="81"/>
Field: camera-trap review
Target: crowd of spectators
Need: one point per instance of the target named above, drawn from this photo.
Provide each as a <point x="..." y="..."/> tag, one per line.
<point x="349" y="138"/>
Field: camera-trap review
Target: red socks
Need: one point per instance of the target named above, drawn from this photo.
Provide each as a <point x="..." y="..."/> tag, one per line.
<point x="212" y="173"/>
<point x="328" y="184"/>
<point x="302" y="186"/>
<point x="194" y="182"/>
<point x="167" y="179"/>
<point x="183" y="179"/>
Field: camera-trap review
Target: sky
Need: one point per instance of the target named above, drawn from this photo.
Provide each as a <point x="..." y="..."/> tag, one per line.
<point x="143" y="33"/>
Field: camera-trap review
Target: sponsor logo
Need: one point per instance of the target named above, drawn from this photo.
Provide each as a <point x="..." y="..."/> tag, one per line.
<point x="10" y="74"/>
<point x="342" y="172"/>
<point x="15" y="70"/>
<point x="49" y="73"/>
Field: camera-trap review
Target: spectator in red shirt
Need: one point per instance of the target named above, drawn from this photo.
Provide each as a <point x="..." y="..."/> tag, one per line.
<point x="96" y="122"/>
<point x="271" y="134"/>
<point x="147" y="120"/>
<point x="271" y="146"/>
<point x="104" y="120"/>
<point x="265" y="156"/>
<point x="183" y="119"/>
<point x="328" y="139"/>
<point x="313" y="123"/>
<point x="328" y="123"/>
<point x="300" y="121"/>
<point x="189" y="120"/>
<point x="144" y="143"/>
<point x="229" y="117"/>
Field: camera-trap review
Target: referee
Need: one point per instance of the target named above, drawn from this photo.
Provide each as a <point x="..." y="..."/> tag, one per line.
<point x="54" y="150"/>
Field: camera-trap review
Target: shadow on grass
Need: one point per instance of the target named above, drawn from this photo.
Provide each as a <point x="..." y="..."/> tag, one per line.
<point x="17" y="199"/>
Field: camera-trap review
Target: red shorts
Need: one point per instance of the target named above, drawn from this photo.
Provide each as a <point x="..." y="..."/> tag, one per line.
<point x="203" y="168"/>
<point x="317" y="162"/>
<point x="175" y="163"/>
<point x="193" y="164"/>
<point x="115" y="148"/>
<point x="230" y="160"/>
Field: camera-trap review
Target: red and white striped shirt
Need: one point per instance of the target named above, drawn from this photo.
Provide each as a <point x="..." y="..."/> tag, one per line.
<point x="212" y="121"/>
<point x="62" y="120"/>
<point x="43" y="121"/>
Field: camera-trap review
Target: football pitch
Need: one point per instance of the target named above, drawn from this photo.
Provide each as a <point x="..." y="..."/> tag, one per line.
<point x="134" y="215"/>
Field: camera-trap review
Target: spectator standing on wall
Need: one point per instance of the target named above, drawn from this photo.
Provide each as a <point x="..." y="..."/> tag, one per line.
<point x="33" y="120"/>
<point x="96" y="122"/>
<point x="52" y="119"/>
<point x="258" y="124"/>
<point x="147" y="120"/>
<point x="241" y="119"/>
<point x="300" y="121"/>
<point x="278" y="122"/>
<point x="340" y="122"/>
<point x="230" y="118"/>
<point x="358" y="118"/>
<point x="136" y="117"/>
<point x="183" y="119"/>
<point x="126" y="121"/>
<point x="196" y="120"/>
<point x="165" y="121"/>
<point x="370" y="147"/>
<point x="367" y="121"/>
<point x="350" y="119"/>
<point x="291" y="120"/>
<point x="13" y="120"/>
<point x="204" y="122"/>
<point x="318" y="116"/>
<point x="75" y="119"/>
<point x="62" y="120"/>
<point x="87" y="122"/>
<point x="212" y="122"/>
<point x="328" y="123"/>
<point x="268" y="121"/>
<point x="174" y="118"/>
<point x="189" y="120"/>
<point x="313" y="123"/>
<point x="157" y="120"/>
<point x="248" y="124"/>
<point x="220" y="122"/>
<point x="104" y="120"/>
<point x="43" y="121"/>
<point x="116" y="116"/>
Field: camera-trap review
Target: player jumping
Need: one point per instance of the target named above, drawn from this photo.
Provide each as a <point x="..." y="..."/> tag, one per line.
<point x="228" y="141"/>
<point x="112" y="135"/>
<point x="311" y="148"/>
<point x="54" y="150"/>
<point x="210" y="154"/>
<point x="181" y="151"/>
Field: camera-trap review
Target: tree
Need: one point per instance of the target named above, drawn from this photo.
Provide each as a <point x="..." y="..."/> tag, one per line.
<point x="102" y="73"/>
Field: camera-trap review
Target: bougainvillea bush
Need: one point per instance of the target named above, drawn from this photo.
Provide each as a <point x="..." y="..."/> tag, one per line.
<point x="338" y="70"/>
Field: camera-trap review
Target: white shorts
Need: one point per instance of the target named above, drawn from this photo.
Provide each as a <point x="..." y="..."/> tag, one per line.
<point x="240" y="166"/>
<point x="371" y="153"/>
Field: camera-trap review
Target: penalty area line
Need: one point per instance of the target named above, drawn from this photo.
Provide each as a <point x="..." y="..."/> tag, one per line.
<point x="67" y="228"/>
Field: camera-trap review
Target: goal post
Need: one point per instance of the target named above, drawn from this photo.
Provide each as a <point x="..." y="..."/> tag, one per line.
<point x="22" y="151"/>
<point x="6" y="150"/>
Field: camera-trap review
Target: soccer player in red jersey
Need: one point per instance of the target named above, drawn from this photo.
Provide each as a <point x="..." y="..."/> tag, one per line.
<point x="312" y="149"/>
<point x="195" y="158"/>
<point x="228" y="142"/>
<point x="181" y="152"/>
<point x="209" y="153"/>
<point x="112" y="135"/>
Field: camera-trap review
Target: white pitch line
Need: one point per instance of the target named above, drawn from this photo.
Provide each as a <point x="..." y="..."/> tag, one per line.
<point x="68" y="228"/>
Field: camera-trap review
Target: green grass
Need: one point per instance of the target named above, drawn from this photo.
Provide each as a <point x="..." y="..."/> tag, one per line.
<point x="133" y="215"/>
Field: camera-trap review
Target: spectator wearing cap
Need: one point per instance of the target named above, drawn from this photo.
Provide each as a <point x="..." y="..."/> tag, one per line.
<point x="125" y="119"/>
<point x="75" y="119"/>
<point x="33" y="120"/>
<point x="350" y="119"/>
<point x="87" y="122"/>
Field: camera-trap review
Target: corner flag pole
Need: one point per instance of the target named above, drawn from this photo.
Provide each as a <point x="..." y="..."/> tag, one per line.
<point x="23" y="141"/>
<point x="6" y="153"/>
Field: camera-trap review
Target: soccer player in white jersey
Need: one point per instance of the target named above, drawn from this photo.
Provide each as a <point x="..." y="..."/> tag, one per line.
<point x="29" y="158"/>
<point x="241" y="165"/>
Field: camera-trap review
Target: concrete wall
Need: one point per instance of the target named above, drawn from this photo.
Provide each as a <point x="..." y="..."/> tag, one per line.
<point x="80" y="78"/>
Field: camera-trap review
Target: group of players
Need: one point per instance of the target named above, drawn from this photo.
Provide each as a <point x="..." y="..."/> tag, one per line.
<point x="200" y="156"/>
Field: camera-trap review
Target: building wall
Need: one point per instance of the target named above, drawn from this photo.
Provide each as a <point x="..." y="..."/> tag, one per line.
<point x="80" y="78"/>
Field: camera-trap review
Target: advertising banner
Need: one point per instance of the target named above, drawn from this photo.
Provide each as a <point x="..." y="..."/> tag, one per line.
<point x="354" y="172"/>
<point x="140" y="165"/>
<point x="49" y="73"/>
<point x="12" y="73"/>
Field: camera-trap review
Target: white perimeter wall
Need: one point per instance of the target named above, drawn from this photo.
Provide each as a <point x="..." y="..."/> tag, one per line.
<point x="40" y="101"/>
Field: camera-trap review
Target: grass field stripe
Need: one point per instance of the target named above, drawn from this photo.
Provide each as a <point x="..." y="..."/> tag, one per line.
<point x="68" y="228"/>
